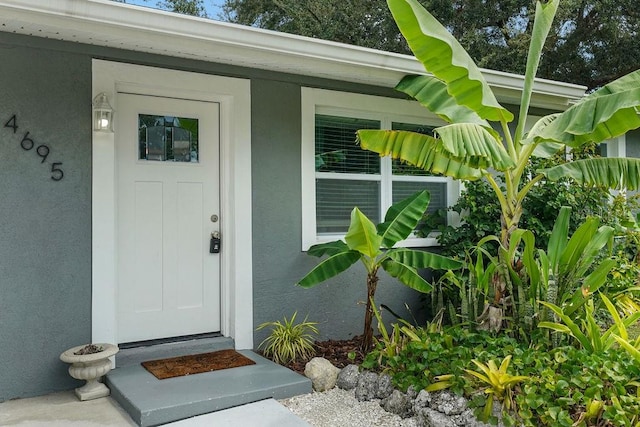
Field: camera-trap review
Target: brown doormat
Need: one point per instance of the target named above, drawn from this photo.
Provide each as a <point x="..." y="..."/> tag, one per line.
<point x="196" y="364"/>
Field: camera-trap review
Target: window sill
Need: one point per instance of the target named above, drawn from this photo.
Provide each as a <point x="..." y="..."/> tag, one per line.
<point x="412" y="242"/>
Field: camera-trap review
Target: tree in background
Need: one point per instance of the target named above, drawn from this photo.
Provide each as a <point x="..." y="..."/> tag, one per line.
<point x="358" y="22"/>
<point x="592" y="42"/>
<point x="186" y="7"/>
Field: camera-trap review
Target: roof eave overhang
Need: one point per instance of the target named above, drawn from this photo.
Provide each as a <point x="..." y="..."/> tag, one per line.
<point x="118" y="25"/>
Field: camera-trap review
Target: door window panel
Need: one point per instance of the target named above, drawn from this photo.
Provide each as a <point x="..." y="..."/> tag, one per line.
<point x="167" y="138"/>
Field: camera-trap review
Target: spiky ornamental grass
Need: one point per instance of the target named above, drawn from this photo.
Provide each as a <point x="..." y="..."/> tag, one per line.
<point x="289" y="341"/>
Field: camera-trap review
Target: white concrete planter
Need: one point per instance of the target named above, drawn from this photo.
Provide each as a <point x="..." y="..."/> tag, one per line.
<point x="90" y="367"/>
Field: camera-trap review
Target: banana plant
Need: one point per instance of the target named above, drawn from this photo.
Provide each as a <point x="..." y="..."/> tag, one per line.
<point x="374" y="247"/>
<point x="469" y="147"/>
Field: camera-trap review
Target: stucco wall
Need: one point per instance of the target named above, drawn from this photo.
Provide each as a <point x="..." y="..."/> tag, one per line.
<point x="633" y="143"/>
<point x="45" y="249"/>
<point x="45" y="243"/>
<point x="278" y="259"/>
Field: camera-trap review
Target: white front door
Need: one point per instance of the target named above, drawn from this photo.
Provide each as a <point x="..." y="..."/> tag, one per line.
<point x="167" y="171"/>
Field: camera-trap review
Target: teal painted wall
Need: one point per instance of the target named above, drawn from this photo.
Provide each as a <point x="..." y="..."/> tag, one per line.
<point x="633" y="143"/>
<point x="45" y="243"/>
<point x="45" y="249"/>
<point x="336" y="305"/>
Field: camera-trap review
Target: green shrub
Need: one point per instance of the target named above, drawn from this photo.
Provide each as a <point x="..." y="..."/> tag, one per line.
<point x="564" y="386"/>
<point x="566" y="383"/>
<point x="480" y="209"/>
<point x="289" y="341"/>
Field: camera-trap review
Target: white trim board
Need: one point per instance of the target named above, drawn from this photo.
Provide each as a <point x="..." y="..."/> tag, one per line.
<point x="321" y="101"/>
<point x="234" y="96"/>
<point x="141" y="29"/>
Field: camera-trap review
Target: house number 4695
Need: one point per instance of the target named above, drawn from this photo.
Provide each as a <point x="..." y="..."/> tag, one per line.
<point x="42" y="150"/>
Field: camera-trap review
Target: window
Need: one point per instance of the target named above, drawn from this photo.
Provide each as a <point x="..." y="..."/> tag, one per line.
<point x="338" y="175"/>
<point x="167" y="138"/>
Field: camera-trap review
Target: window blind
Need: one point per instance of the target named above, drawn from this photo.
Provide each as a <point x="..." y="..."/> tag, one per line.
<point x="335" y="146"/>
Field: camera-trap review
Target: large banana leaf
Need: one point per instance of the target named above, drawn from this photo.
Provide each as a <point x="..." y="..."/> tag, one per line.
<point x="423" y="259"/>
<point x="545" y="12"/>
<point x="445" y="58"/>
<point x="329" y="267"/>
<point x="362" y="235"/>
<point x="607" y="113"/>
<point x="329" y="248"/>
<point x="407" y="275"/>
<point x="402" y="218"/>
<point x="473" y="145"/>
<point x="615" y="173"/>
<point x="544" y="149"/>
<point x="432" y="93"/>
<point x="423" y="151"/>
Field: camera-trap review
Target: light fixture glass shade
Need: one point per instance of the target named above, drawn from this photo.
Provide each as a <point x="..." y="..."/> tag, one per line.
<point x="102" y="113"/>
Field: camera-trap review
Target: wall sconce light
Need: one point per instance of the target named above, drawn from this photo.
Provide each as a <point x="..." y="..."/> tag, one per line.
<point x="102" y="113"/>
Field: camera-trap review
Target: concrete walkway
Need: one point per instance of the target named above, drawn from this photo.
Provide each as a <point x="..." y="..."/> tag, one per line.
<point x="65" y="410"/>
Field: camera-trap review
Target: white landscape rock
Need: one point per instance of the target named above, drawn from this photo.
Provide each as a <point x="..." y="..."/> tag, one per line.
<point x="360" y="406"/>
<point x="322" y="373"/>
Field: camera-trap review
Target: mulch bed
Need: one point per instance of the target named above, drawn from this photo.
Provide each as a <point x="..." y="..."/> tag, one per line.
<point x="336" y="352"/>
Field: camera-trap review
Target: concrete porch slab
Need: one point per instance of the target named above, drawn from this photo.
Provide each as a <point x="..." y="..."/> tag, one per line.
<point x="63" y="409"/>
<point x="152" y="402"/>
<point x="265" y="413"/>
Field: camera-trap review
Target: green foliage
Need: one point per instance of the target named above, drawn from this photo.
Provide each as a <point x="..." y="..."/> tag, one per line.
<point x="623" y="283"/>
<point x="469" y="148"/>
<point x="428" y="357"/>
<point x="563" y="386"/>
<point x="495" y="33"/>
<point x="391" y="344"/>
<point x="630" y="346"/>
<point x="289" y="341"/>
<point x="464" y="294"/>
<point x="565" y="274"/>
<point x="374" y="247"/>
<point x="568" y="387"/>
<point x="479" y="208"/>
<point x="186" y="7"/>
<point x="573" y="263"/>
<point x="356" y="22"/>
<point x="499" y="384"/>
<point x="586" y="331"/>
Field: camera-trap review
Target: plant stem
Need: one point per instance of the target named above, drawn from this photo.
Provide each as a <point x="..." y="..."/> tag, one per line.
<point x="372" y="283"/>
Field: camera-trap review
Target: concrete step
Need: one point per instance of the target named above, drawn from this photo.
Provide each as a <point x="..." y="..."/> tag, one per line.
<point x="152" y="402"/>
<point x="265" y="413"/>
<point x="139" y="354"/>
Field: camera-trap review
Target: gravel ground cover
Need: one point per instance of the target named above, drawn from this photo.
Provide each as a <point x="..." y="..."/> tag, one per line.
<point x="340" y="408"/>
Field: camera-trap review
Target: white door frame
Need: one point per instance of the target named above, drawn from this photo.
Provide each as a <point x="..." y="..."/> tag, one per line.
<point x="234" y="97"/>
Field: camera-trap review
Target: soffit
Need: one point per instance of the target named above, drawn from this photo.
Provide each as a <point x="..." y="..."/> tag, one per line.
<point x="113" y="24"/>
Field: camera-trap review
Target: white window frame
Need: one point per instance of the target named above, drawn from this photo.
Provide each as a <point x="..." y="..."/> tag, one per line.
<point x="386" y="110"/>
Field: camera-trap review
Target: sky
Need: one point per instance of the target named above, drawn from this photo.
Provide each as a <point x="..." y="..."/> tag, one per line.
<point x="213" y="7"/>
